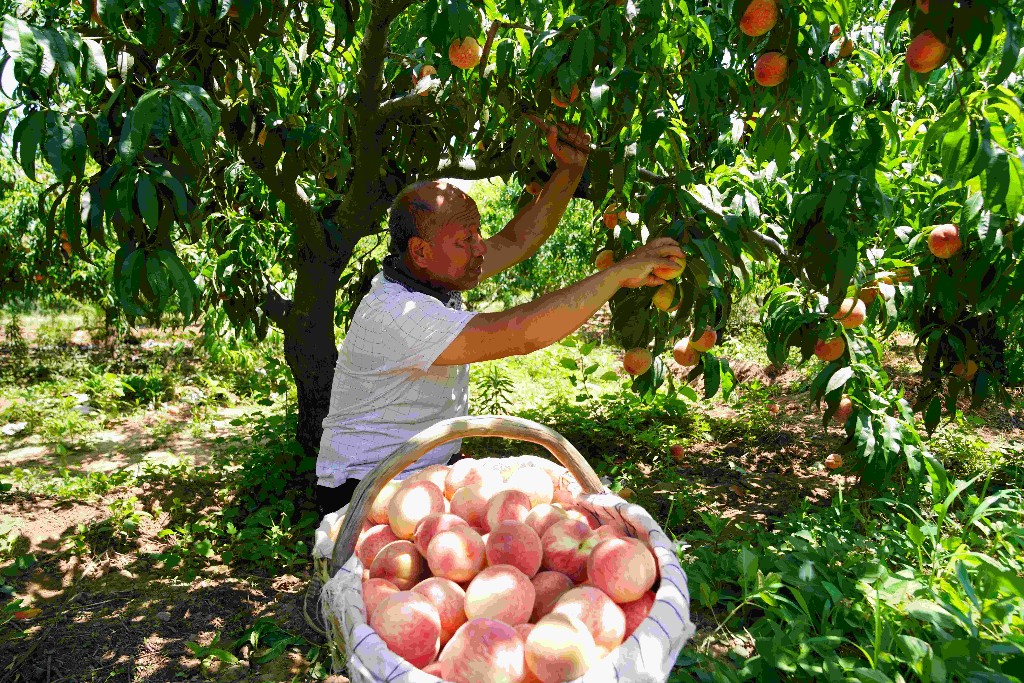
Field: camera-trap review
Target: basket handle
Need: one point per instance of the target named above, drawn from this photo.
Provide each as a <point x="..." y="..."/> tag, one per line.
<point x="501" y="426"/>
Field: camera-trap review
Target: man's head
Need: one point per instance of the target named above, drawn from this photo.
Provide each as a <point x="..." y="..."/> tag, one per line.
<point x="435" y="230"/>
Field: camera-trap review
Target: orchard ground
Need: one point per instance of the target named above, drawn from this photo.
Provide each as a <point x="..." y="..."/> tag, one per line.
<point x="149" y="512"/>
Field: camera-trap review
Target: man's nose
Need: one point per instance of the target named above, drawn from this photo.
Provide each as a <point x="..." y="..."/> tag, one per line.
<point x="479" y="247"/>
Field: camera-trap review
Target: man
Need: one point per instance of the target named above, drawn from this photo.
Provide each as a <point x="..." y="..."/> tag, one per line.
<point x="404" y="364"/>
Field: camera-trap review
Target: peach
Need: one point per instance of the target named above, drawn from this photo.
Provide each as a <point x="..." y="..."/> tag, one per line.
<point x="834" y="461"/>
<point x="465" y="53"/>
<point x="468" y="472"/>
<point x="501" y="592"/>
<point x="410" y="626"/>
<point x="844" y="411"/>
<point x="379" y="507"/>
<point x="432" y="525"/>
<point x="664" y="297"/>
<point x="509" y="504"/>
<point x="684" y="353"/>
<point x="413" y="501"/>
<point x="436" y="474"/>
<point x="457" y="554"/>
<point x="637" y="361"/>
<point x="606" y="531"/>
<point x="575" y="512"/>
<point x="565" y="547"/>
<point x="604" y="259"/>
<point x="922" y="5"/>
<point x="563" y="496"/>
<point x="846" y="49"/>
<point x="851" y="313"/>
<point x="603" y="618"/>
<point x="375" y="590"/>
<point x="573" y="94"/>
<point x="549" y="587"/>
<point x="534" y="482"/>
<point x="371" y="541"/>
<point x="543" y="516"/>
<point x="636" y="611"/>
<point x="470" y="503"/>
<point x="965" y="372"/>
<point x="434" y="669"/>
<point x="944" y="240"/>
<point x="759" y="17"/>
<point x="770" y="69"/>
<point x="611" y="216"/>
<point x="400" y="563"/>
<point x="484" y="650"/>
<point x="560" y="648"/>
<point x="926" y="52"/>
<point x="705" y="341"/>
<point x="670" y="272"/>
<point x="534" y="188"/>
<point x="830" y="350"/>
<point x="868" y="294"/>
<point x="623" y="568"/>
<point x="448" y="599"/>
<point x="514" y="543"/>
<point x="677" y="451"/>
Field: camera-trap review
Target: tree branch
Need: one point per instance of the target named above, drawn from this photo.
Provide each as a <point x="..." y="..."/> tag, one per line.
<point x="468" y="169"/>
<point x="410" y="102"/>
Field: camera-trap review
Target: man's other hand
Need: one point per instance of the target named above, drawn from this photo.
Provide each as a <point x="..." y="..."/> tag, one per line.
<point x="635" y="269"/>
<point x="571" y="152"/>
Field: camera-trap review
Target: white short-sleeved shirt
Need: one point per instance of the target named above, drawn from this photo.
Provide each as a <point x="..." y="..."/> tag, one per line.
<point x="386" y="387"/>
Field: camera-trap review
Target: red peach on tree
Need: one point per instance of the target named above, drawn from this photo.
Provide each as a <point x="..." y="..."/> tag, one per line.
<point x="770" y="69"/>
<point x="830" y="349"/>
<point x="926" y="53"/>
<point x="759" y="18"/>
<point x="465" y="53"/>
<point x="944" y="240"/>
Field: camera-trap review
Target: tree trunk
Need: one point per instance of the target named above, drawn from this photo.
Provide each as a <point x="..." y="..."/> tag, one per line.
<point x="310" y="347"/>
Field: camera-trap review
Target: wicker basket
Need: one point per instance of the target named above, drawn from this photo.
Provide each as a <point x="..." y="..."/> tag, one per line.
<point x="646" y="656"/>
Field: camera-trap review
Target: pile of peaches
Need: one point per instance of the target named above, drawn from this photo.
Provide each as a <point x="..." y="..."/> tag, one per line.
<point x="478" y="577"/>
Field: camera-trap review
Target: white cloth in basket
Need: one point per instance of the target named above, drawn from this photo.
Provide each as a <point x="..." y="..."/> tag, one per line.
<point x="647" y="656"/>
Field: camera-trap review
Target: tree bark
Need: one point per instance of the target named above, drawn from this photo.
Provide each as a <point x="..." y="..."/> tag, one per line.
<point x="310" y="346"/>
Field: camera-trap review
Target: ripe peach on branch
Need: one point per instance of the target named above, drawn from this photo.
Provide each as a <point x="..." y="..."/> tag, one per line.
<point x="464" y="53"/>
<point x="830" y="349"/>
<point x="637" y="361"/>
<point x="944" y="240"/>
<point x="926" y="53"/>
<point x="759" y="17"/>
<point x="770" y="69"/>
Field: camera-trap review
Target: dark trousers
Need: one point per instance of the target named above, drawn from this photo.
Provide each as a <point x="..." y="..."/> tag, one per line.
<point x="330" y="500"/>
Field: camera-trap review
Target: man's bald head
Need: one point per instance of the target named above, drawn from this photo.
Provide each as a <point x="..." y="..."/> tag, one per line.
<point x="420" y="209"/>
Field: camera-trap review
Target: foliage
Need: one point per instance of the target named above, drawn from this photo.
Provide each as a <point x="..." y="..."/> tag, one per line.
<point x="872" y="591"/>
<point x="226" y="151"/>
<point x="566" y="257"/>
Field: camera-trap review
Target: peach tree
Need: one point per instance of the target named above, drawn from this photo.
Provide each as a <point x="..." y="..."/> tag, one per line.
<point x="231" y="153"/>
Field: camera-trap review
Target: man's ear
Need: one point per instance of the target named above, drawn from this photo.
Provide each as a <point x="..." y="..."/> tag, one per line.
<point x="419" y="250"/>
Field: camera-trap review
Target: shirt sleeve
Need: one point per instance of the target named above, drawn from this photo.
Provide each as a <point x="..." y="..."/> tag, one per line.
<point x="417" y="328"/>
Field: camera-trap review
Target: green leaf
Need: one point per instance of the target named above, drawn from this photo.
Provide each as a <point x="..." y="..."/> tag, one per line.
<point x="20" y="43"/>
<point x="137" y="126"/>
<point x="149" y="205"/>
<point x="27" y="136"/>
<point x="94" y="63"/>
<point x="182" y="118"/>
<point x="188" y="292"/>
<point x="568" y="364"/>
<point x="1011" y="46"/>
<point x="712" y="374"/>
<point x="582" y="56"/>
<point x="127" y="277"/>
<point x="840" y="378"/>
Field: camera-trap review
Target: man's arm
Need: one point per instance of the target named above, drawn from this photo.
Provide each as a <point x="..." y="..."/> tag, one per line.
<point x="534" y="224"/>
<point x="554" y="316"/>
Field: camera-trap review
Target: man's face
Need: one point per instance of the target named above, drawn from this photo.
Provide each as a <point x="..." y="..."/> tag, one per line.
<point x="452" y="254"/>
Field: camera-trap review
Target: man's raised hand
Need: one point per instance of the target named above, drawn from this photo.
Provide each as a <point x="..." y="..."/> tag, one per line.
<point x="569" y="151"/>
<point x="635" y="269"/>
